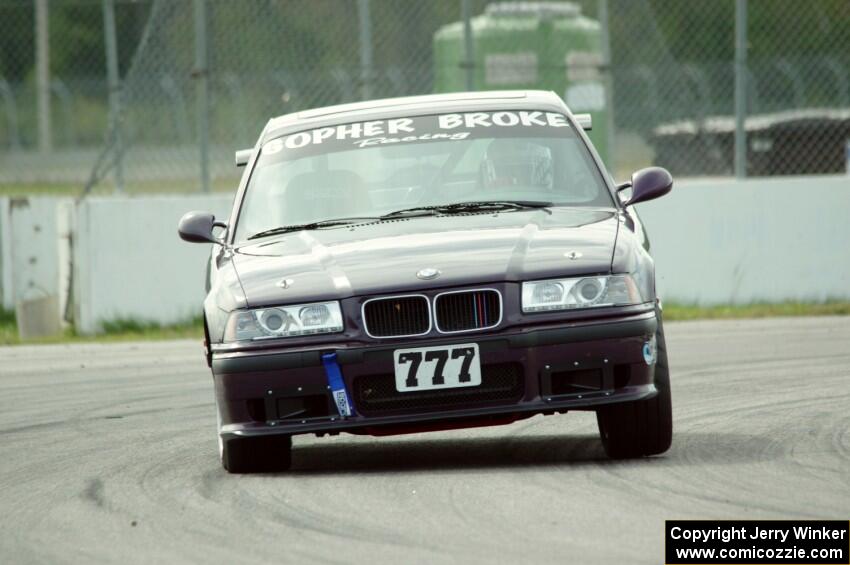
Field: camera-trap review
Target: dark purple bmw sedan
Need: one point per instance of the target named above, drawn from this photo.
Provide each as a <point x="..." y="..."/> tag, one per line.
<point x="431" y="263"/>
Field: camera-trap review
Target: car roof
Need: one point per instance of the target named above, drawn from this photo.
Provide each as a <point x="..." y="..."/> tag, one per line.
<point x="413" y="105"/>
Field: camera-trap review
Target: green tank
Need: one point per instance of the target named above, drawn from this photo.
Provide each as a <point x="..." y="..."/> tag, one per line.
<point x="530" y="45"/>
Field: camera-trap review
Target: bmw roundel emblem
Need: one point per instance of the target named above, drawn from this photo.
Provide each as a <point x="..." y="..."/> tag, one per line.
<point x="428" y="274"/>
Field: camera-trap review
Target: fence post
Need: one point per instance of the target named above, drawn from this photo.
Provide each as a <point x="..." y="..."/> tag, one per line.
<point x="114" y="85"/>
<point x="608" y="74"/>
<point x="468" y="47"/>
<point x="202" y="99"/>
<point x="11" y="110"/>
<point x="740" y="88"/>
<point x="365" y="49"/>
<point x="42" y="75"/>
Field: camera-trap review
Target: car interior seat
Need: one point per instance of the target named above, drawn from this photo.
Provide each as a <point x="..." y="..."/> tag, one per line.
<point x="324" y="195"/>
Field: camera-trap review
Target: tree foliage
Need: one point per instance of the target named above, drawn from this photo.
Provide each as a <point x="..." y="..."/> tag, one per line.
<point x="325" y="31"/>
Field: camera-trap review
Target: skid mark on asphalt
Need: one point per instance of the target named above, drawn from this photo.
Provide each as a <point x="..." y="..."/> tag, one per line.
<point x="765" y="434"/>
<point x="94" y="492"/>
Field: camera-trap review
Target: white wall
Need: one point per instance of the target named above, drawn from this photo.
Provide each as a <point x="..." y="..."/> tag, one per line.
<point x="7" y="292"/>
<point x="130" y="263"/>
<point x="723" y="241"/>
<point x="34" y="252"/>
<point x="714" y="241"/>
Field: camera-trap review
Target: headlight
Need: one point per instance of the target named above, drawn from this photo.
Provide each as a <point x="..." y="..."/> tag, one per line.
<point x="587" y="292"/>
<point x="284" y="321"/>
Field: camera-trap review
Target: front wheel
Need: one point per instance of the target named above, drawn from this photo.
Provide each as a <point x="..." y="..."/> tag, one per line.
<point x="256" y="454"/>
<point x="643" y="427"/>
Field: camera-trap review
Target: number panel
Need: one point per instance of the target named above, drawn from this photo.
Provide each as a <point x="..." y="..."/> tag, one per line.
<point x="445" y="366"/>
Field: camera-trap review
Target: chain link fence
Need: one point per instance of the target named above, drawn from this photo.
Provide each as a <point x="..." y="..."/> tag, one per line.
<point x="61" y="146"/>
<point x="201" y="77"/>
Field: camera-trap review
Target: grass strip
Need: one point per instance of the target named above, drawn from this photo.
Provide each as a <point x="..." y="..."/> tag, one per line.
<point x="136" y="330"/>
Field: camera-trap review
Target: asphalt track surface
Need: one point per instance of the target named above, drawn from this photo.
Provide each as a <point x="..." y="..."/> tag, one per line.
<point x="108" y="454"/>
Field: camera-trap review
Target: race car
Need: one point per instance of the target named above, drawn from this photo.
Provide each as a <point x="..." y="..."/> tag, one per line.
<point x="430" y="263"/>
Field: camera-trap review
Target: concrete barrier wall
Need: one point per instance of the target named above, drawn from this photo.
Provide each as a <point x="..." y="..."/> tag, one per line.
<point x="7" y="292"/>
<point x="725" y="241"/>
<point x="35" y="251"/>
<point x="41" y="262"/>
<point x="130" y="264"/>
<point x="714" y="241"/>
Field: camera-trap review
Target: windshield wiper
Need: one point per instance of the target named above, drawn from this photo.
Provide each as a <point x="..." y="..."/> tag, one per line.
<point x="457" y="208"/>
<point x="461" y="207"/>
<point x="311" y="226"/>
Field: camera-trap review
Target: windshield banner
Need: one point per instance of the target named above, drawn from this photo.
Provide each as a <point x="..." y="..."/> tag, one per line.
<point x="440" y="127"/>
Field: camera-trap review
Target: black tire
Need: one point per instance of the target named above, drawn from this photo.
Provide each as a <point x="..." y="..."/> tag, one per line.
<point x="257" y="454"/>
<point x="643" y="427"/>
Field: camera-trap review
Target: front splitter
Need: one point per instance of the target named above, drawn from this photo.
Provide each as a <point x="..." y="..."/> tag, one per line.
<point x="336" y="424"/>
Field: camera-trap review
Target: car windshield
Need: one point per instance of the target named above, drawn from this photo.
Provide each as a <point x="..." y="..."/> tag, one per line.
<point x="369" y="169"/>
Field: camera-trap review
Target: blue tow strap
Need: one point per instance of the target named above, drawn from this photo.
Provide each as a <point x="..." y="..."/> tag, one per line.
<point x="337" y="385"/>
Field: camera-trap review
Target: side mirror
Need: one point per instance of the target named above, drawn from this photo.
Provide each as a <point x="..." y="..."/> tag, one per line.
<point x="648" y="184"/>
<point x="243" y="156"/>
<point x="585" y="121"/>
<point x="197" y="227"/>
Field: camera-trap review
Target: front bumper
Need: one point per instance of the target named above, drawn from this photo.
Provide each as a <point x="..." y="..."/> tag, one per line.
<point x="579" y="365"/>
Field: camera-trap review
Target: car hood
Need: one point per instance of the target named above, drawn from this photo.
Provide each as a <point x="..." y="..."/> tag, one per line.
<point x="382" y="257"/>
